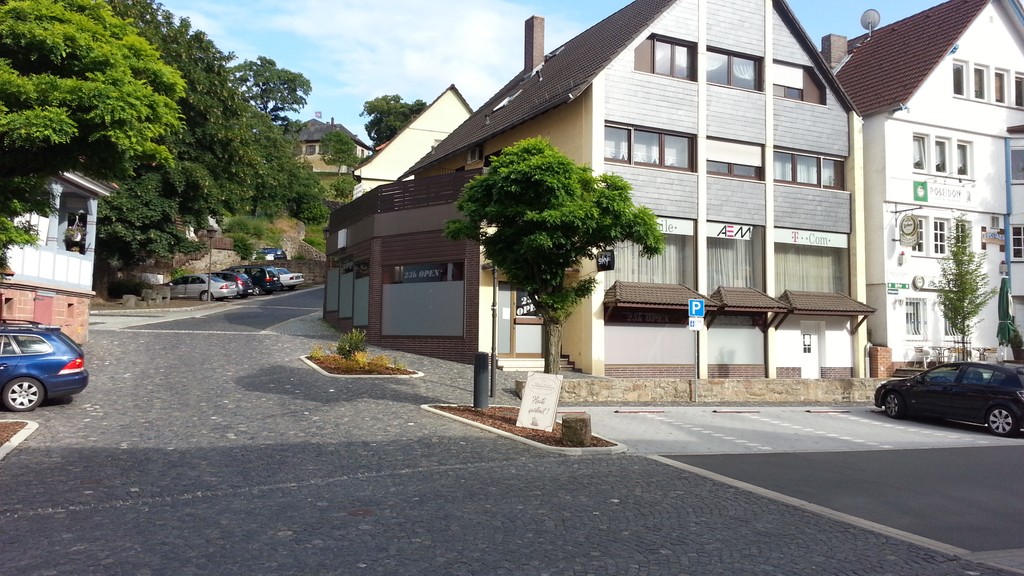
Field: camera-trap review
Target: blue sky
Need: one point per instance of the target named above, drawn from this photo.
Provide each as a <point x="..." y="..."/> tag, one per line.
<point x="353" y="50"/>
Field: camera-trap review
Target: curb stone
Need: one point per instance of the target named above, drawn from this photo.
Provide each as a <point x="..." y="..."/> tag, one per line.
<point x="618" y="448"/>
<point x="312" y="365"/>
<point x="18" y="438"/>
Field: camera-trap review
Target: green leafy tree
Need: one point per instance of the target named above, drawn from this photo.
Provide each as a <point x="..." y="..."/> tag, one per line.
<point x="272" y="90"/>
<point x="80" y="90"/>
<point x="339" y="149"/>
<point x="537" y="214"/>
<point x="388" y="115"/>
<point x="963" y="287"/>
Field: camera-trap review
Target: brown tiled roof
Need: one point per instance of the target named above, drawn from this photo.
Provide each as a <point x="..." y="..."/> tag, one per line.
<point x="824" y="303"/>
<point x="735" y="299"/>
<point x="650" y="294"/>
<point x="569" y="70"/>
<point x="888" y="67"/>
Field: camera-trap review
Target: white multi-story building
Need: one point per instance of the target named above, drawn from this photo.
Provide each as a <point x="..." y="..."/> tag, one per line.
<point x="941" y="93"/>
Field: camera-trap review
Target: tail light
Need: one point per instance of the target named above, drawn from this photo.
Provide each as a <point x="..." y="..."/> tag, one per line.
<point x="76" y="365"/>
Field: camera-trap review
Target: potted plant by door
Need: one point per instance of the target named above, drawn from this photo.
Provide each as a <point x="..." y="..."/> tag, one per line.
<point x="1017" y="344"/>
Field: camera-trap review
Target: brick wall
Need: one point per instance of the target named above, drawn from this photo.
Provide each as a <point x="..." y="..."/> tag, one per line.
<point x="68" y="310"/>
<point x="788" y="372"/>
<point x="837" y="372"/>
<point x="652" y="371"/>
<point x="736" y="370"/>
<point x="880" y="361"/>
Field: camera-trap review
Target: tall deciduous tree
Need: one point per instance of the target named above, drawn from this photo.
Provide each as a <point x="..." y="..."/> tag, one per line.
<point x="272" y="90"/>
<point x="388" y="115"/>
<point x="537" y="214"/>
<point x="963" y="288"/>
<point x="81" y="91"/>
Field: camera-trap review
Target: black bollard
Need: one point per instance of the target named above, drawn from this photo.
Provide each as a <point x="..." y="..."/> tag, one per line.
<point x="481" y="365"/>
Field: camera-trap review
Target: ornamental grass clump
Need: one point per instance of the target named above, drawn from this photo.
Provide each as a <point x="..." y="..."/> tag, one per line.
<point x="353" y="358"/>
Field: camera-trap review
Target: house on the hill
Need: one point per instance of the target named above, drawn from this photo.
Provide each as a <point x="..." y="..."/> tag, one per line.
<point x="51" y="281"/>
<point x="729" y="126"/>
<point x="313" y="132"/>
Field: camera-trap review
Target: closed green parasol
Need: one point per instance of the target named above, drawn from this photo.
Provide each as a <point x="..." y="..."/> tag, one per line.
<point x="1006" y="323"/>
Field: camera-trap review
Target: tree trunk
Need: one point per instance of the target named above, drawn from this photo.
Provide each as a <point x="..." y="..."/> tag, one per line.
<point x="551" y="343"/>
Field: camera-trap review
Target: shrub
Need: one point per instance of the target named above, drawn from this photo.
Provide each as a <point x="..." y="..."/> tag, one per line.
<point x="352" y="342"/>
<point x="317" y="352"/>
<point x="118" y="288"/>
<point x="244" y="246"/>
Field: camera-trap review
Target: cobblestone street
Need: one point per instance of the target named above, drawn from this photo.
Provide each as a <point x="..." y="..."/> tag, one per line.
<point x="218" y="452"/>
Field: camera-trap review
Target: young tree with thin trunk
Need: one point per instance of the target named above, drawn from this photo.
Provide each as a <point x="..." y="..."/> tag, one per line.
<point x="537" y="214"/>
<point x="963" y="288"/>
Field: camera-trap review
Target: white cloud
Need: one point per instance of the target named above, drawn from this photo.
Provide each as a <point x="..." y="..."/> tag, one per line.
<point x="353" y="51"/>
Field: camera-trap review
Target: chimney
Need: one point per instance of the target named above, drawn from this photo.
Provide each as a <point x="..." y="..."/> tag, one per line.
<point x="534" y="45"/>
<point x="332" y="120"/>
<point x="833" y="49"/>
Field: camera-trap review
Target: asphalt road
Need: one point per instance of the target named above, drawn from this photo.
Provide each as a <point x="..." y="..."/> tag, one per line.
<point x="203" y="446"/>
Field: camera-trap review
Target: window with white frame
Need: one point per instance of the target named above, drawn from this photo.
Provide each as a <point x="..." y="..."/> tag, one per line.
<point x="947" y="329"/>
<point x="980" y="77"/>
<point x="999" y="86"/>
<point x="940" y="233"/>
<point x="920" y="152"/>
<point x="915" y="309"/>
<point x="1018" y="91"/>
<point x="1017" y="242"/>
<point x="963" y="159"/>
<point x="941" y="156"/>
<point x="959" y="79"/>
<point x="919" y="245"/>
<point x="1017" y="164"/>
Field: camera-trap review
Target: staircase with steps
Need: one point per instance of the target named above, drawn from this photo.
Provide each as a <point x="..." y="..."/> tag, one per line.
<point x="535" y="364"/>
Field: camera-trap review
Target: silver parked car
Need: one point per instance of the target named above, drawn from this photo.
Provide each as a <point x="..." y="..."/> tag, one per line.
<point x="289" y="280"/>
<point x="202" y="287"/>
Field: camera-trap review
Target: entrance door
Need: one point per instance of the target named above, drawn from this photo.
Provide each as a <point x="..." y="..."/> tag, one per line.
<point x="519" y="328"/>
<point x="810" y="352"/>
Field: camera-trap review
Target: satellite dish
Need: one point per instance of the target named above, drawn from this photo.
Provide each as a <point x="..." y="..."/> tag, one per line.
<point x="869" y="20"/>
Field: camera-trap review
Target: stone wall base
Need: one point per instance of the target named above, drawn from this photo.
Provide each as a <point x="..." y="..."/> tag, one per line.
<point x="669" y="390"/>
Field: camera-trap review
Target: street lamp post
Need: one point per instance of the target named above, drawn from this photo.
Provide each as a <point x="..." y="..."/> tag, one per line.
<point x="210" y="231"/>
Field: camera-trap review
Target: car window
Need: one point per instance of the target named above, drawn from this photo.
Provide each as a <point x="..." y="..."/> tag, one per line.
<point x="179" y="281"/>
<point x="31" y="344"/>
<point x="283" y="271"/>
<point x="6" y="347"/>
<point x="1005" y="381"/>
<point x="197" y="280"/>
<point x="978" y="375"/>
<point x="942" y="374"/>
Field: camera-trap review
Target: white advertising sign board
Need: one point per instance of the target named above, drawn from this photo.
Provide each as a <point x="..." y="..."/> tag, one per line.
<point x="540" y="401"/>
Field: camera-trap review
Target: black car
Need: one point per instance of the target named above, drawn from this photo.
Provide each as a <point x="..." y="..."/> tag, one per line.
<point x="265" y="279"/>
<point x="241" y="280"/>
<point x="980" y="392"/>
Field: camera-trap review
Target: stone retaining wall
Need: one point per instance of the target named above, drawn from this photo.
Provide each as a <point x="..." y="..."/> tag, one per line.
<point x="668" y="390"/>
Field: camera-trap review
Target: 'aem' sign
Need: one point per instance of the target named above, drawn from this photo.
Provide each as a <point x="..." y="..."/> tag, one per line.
<point x="732" y="231"/>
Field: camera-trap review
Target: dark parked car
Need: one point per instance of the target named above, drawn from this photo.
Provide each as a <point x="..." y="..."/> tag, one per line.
<point x="979" y="392"/>
<point x="241" y="280"/>
<point x="38" y="362"/>
<point x="271" y="254"/>
<point x="265" y="279"/>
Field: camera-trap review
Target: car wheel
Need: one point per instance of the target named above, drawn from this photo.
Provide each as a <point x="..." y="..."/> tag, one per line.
<point x="895" y="406"/>
<point x="1000" y="421"/>
<point x="291" y="287"/>
<point x="243" y="296"/>
<point x="257" y="290"/>
<point x="204" y="296"/>
<point x="23" y="394"/>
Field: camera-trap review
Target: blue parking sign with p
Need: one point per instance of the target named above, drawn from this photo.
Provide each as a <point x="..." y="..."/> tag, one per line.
<point x="696" y="308"/>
